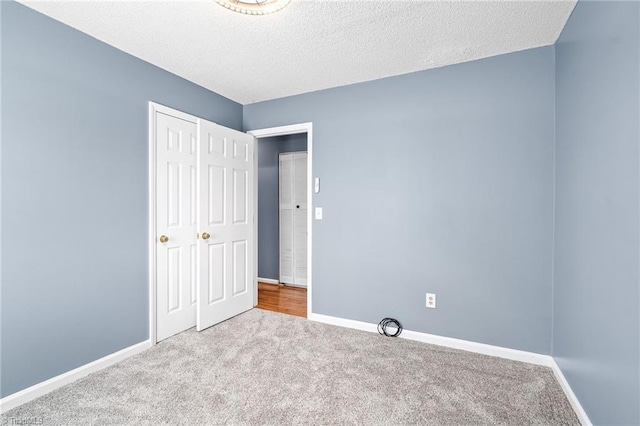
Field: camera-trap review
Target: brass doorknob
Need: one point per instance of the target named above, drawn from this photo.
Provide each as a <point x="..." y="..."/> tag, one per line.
<point x="205" y="236"/>
<point x="164" y="238"/>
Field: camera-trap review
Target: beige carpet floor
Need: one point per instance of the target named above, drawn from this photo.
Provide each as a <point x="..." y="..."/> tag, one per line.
<point x="265" y="368"/>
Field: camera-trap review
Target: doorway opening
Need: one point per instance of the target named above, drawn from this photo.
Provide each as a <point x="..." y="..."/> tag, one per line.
<point x="283" y="220"/>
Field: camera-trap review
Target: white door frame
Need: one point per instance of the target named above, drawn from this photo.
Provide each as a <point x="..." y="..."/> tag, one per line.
<point x="292" y="129"/>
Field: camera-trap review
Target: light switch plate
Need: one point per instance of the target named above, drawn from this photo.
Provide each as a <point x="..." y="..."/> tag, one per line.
<point x="318" y="213"/>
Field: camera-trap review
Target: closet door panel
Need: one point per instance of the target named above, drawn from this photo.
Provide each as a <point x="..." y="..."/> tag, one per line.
<point x="300" y="218"/>
<point x="286" y="218"/>
<point x="293" y="218"/>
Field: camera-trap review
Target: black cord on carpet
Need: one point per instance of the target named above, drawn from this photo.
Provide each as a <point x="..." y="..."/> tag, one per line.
<point x="382" y="327"/>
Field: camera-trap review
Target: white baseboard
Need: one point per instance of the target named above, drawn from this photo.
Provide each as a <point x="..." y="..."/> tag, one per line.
<point x="573" y="399"/>
<point x="276" y="282"/>
<point x="14" y="400"/>
<point x="466" y="345"/>
<point x="294" y="285"/>
<point x="342" y="322"/>
<point x="480" y="348"/>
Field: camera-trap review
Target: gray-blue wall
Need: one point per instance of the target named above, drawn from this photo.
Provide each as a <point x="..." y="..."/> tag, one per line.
<point x="74" y="193"/>
<point x="438" y="181"/>
<point x="596" y="327"/>
<point x="269" y="150"/>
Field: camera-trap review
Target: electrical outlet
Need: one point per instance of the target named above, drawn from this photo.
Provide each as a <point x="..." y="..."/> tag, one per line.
<point x="431" y="300"/>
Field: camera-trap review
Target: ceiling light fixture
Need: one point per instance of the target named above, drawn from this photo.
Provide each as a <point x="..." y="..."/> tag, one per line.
<point x="254" y="7"/>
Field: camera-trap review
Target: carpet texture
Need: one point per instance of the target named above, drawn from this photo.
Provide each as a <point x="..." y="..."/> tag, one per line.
<point x="265" y="368"/>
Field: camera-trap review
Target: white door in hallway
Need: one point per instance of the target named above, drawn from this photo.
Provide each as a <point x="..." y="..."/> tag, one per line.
<point x="226" y="224"/>
<point x="176" y="214"/>
<point x="293" y="218"/>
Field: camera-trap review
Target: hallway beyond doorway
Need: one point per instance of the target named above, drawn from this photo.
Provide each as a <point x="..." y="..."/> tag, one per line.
<point x="283" y="299"/>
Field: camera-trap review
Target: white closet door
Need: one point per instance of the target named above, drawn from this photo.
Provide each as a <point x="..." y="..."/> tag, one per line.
<point x="300" y="218"/>
<point x="204" y="183"/>
<point x="176" y="198"/>
<point x="225" y="223"/>
<point x="293" y="218"/>
<point x="286" y="218"/>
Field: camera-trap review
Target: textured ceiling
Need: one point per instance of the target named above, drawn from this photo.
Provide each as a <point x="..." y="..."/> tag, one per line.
<point x="310" y="45"/>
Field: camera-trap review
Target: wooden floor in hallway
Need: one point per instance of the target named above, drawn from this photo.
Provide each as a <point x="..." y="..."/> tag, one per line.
<point x="283" y="299"/>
